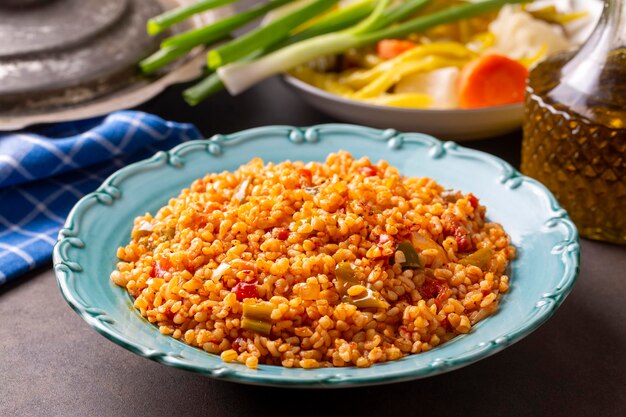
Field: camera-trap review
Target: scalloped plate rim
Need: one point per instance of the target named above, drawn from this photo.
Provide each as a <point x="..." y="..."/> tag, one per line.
<point x="63" y="266"/>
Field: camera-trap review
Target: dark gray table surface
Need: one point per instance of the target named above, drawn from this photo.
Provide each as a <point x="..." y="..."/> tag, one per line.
<point x="53" y="364"/>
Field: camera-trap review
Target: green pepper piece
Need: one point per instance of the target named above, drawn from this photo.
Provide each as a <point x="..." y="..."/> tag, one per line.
<point x="259" y="311"/>
<point x="369" y="300"/>
<point x="422" y="243"/>
<point x="480" y="258"/>
<point x="345" y="276"/>
<point x="258" y="326"/>
<point x="410" y="254"/>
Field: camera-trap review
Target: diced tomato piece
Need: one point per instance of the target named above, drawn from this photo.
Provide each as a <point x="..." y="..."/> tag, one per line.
<point x="160" y="267"/>
<point x="442" y="296"/>
<point x="445" y="324"/>
<point x="472" y="200"/>
<point x="369" y="171"/>
<point x="306" y="177"/>
<point x="281" y="233"/>
<point x="433" y="288"/>
<point x="239" y="344"/>
<point x="429" y="288"/>
<point x="460" y="234"/>
<point x="462" y="242"/>
<point x="245" y="290"/>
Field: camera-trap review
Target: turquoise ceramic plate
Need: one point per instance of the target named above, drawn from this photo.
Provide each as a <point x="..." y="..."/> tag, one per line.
<point x="541" y="276"/>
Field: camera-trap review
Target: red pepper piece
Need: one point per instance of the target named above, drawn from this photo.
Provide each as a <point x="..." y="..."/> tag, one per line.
<point x="245" y="290"/>
<point x="160" y="268"/>
<point x="281" y="233"/>
<point x="369" y="171"/>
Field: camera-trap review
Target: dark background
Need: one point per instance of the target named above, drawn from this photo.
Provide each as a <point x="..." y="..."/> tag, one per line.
<point x="53" y="364"/>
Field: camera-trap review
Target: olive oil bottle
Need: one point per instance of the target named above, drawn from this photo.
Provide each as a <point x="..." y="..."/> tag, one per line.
<point x="575" y="128"/>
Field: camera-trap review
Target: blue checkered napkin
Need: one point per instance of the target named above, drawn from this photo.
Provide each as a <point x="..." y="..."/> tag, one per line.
<point x="44" y="173"/>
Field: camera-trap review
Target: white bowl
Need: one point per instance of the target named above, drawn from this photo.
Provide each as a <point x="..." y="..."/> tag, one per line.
<point x="457" y="125"/>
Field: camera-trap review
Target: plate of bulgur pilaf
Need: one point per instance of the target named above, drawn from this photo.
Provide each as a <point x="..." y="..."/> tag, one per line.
<point x="334" y="255"/>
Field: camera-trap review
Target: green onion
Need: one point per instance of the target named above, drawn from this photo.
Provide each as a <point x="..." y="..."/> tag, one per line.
<point x="336" y="20"/>
<point x="210" y="85"/>
<point x="422" y="23"/>
<point x="401" y="12"/>
<point x="163" y="21"/>
<point x="264" y="36"/>
<point x="239" y="76"/>
<point x="206" y="88"/>
<point x="161" y="58"/>
<point x="372" y="21"/>
<point x="284" y="11"/>
<point x="220" y="29"/>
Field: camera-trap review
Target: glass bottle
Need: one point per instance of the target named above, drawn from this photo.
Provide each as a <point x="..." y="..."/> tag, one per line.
<point x="575" y="128"/>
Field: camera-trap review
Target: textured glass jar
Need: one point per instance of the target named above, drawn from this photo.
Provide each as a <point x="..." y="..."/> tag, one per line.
<point x="575" y="128"/>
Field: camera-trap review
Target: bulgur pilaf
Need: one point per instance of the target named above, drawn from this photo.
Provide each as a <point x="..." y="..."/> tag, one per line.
<point x="342" y="263"/>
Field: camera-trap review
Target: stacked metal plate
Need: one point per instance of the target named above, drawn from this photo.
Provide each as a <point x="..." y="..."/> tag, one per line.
<point x="71" y="59"/>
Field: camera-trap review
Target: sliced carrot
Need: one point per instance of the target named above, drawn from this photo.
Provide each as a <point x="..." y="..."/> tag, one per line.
<point x="391" y="48"/>
<point x="491" y="80"/>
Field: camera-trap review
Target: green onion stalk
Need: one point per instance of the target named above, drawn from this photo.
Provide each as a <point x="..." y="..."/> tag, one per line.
<point x="239" y="76"/>
<point x="265" y="36"/>
<point x="335" y="20"/>
<point x="221" y="28"/>
<point x="176" y="46"/>
<point x="165" y="20"/>
<point x="161" y="58"/>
